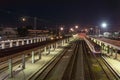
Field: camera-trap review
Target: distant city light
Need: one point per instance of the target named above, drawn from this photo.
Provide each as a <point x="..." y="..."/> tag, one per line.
<point x="104" y="25"/>
<point x="76" y="27"/>
<point x="23" y="19"/>
<point x="71" y="29"/>
<point x="61" y="28"/>
<point x="86" y="30"/>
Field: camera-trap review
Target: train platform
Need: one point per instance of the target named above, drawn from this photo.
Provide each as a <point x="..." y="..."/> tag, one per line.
<point x="114" y="63"/>
<point x="113" y="42"/>
<point x="31" y="68"/>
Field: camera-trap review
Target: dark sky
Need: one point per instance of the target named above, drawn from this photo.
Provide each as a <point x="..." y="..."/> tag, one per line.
<point x="62" y="11"/>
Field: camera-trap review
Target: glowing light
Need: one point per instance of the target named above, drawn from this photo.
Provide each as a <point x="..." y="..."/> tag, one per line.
<point x="104" y="25"/>
<point x="61" y="37"/>
<point x="51" y="38"/>
<point x="76" y="27"/>
<point x="61" y="28"/>
<point x="71" y="29"/>
<point x="23" y="19"/>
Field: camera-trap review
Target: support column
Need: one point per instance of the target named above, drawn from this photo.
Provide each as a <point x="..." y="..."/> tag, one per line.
<point x="3" y="45"/>
<point x="37" y="39"/>
<point x="62" y="43"/>
<point x="56" y="46"/>
<point x="68" y="39"/>
<point x="100" y="43"/>
<point x="44" y="38"/>
<point x="33" y="56"/>
<point x="51" y="46"/>
<point x="10" y="68"/>
<point x="116" y="53"/>
<point x="23" y="42"/>
<point x="108" y="49"/>
<point x="45" y="49"/>
<point x="49" y="49"/>
<point x="39" y="53"/>
<point x="40" y="40"/>
<point x="31" y="40"/>
<point x="28" y="41"/>
<point x="17" y="43"/>
<point x="23" y="61"/>
<point x="34" y="40"/>
<point x="111" y="51"/>
<point x="11" y="43"/>
<point x="102" y="46"/>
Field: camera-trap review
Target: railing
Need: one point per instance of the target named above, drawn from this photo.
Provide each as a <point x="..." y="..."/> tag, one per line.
<point x="18" y="42"/>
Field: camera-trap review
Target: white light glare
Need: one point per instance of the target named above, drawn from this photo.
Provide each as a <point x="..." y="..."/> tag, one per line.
<point x="104" y="25"/>
<point x="76" y="27"/>
<point x="61" y="28"/>
<point x="71" y="29"/>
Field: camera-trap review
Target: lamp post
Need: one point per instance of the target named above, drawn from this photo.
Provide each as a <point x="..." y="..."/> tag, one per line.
<point x="61" y="31"/>
<point x="35" y="21"/>
<point x="76" y="29"/>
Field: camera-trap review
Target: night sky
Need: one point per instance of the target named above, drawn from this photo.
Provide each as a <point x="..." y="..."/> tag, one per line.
<point x="86" y="12"/>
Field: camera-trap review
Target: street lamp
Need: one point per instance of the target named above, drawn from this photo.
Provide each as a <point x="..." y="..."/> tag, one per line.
<point x="61" y="28"/>
<point x="23" y="19"/>
<point x="76" y="27"/>
<point x="61" y="31"/>
<point x="104" y="25"/>
<point x="35" y="21"/>
<point x="72" y="29"/>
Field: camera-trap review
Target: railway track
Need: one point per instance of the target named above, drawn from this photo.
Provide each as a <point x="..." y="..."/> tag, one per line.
<point x="73" y="71"/>
<point x="101" y="69"/>
<point x="88" y="73"/>
<point x="44" y="74"/>
<point x="68" y="66"/>
<point x="76" y="62"/>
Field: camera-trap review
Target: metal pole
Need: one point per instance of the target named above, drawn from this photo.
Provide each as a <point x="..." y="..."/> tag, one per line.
<point x="23" y="61"/>
<point x="10" y="68"/>
<point x="33" y="56"/>
<point x="39" y="54"/>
